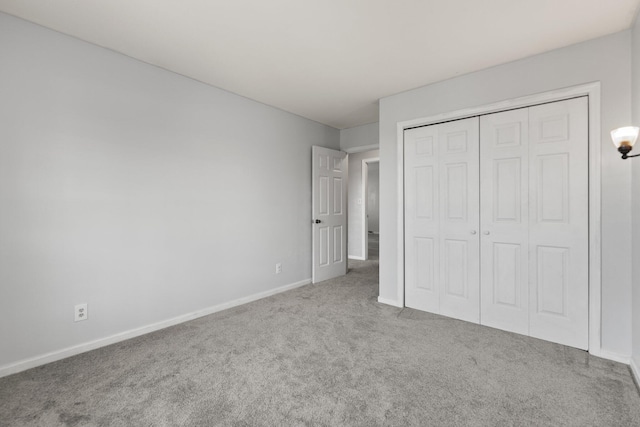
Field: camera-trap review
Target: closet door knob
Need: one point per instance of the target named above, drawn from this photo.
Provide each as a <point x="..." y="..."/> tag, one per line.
<point x="486" y="233"/>
<point x="473" y="231"/>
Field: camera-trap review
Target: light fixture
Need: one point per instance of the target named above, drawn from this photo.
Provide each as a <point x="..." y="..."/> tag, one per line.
<point x="624" y="138"/>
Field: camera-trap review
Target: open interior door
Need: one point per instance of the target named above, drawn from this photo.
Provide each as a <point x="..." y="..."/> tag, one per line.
<point x="329" y="213"/>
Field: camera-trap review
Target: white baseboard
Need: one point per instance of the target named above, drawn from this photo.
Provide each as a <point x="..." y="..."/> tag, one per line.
<point x="605" y="354"/>
<point x="635" y="371"/>
<point x="359" y="258"/>
<point x="92" y="345"/>
<point x="389" y="302"/>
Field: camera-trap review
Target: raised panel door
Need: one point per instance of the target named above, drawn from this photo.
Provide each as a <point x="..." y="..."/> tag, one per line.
<point x="329" y="214"/>
<point x="499" y="234"/>
<point x="558" y="222"/>
<point x="422" y="220"/>
<point x="504" y="221"/>
<point x="459" y="276"/>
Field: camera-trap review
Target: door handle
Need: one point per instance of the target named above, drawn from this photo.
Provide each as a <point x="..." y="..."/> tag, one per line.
<point x="317" y="221"/>
<point x="486" y="233"/>
<point x="473" y="231"/>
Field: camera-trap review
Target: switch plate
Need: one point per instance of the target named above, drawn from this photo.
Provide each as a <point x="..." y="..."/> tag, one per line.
<point x="80" y="312"/>
<point x="278" y="268"/>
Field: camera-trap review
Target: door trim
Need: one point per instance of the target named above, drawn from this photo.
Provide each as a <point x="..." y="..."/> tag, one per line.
<point x="592" y="91"/>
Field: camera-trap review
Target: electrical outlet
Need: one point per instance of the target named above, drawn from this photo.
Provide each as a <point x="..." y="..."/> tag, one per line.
<point x="278" y="268"/>
<point x="80" y="312"/>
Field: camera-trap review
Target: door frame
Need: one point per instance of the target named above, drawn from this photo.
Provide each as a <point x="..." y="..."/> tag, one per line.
<point x="365" y="202"/>
<point x="592" y="91"/>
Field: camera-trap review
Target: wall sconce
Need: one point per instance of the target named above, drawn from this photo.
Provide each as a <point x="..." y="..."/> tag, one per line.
<point x="624" y="138"/>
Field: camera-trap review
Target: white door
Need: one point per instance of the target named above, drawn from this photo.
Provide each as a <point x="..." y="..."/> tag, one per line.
<point x="329" y="213"/>
<point x="558" y="222"/>
<point x="534" y="221"/>
<point x="442" y="218"/>
<point x="532" y="190"/>
<point x="504" y="216"/>
<point x="422" y="219"/>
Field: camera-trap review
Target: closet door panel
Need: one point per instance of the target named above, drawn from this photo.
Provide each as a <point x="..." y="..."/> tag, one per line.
<point x="504" y="220"/>
<point x="559" y="245"/>
<point x="496" y="220"/>
<point x="422" y="218"/>
<point x="458" y="147"/>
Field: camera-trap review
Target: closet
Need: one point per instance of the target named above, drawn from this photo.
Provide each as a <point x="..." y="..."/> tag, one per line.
<point x="496" y="220"/>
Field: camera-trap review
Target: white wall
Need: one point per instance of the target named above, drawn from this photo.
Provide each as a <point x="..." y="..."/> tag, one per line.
<point x="139" y="191"/>
<point x="359" y="138"/>
<point x="606" y="60"/>
<point x="373" y="196"/>
<point x="635" y="196"/>
<point x="357" y="203"/>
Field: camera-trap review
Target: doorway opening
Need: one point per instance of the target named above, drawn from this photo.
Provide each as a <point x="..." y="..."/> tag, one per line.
<point x="371" y="208"/>
<point x="363" y="205"/>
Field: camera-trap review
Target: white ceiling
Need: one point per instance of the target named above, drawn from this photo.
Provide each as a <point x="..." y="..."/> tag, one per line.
<point x="328" y="60"/>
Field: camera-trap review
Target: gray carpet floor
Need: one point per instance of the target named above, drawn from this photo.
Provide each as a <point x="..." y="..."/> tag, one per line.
<point x="325" y="354"/>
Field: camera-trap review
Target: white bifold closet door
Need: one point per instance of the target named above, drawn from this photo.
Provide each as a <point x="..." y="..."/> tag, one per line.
<point x="559" y="222"/>
<point x="504" y="161"/>
<point x="441" y="219"/>
<point x="532" y="227"/>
